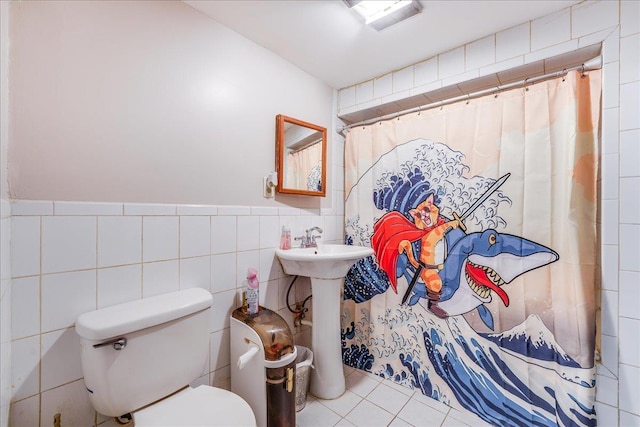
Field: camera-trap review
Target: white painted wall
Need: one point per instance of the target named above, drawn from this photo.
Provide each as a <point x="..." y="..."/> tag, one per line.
<point x="5" y="225"/>
<point x="615" y="24"/>
<point x="4" y="97"/>
<point x="142" y="101"/>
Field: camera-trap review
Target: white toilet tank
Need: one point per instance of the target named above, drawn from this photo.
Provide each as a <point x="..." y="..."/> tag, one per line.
<point x="167" y="346"/>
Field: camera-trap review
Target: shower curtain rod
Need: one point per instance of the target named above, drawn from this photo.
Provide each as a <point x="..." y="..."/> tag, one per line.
<point x="305" y="146"/>
<point x="592" y="64"/>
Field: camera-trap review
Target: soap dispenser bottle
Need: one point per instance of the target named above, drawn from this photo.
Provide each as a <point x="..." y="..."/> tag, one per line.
<point x="285" y="238"/>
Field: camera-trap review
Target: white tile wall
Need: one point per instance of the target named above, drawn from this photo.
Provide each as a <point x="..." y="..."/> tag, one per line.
<point x="25" y="293"/>
<point x="159" y="238"/>
<point x="629" y="344"/>
<point x="403" y="79"/>
<point x="72" y="401"/>
<point x="58" y="364"/>
<point x="248" y="236"/>
<point x="65" y="296"/>
<point x="223" y="234"/>
<point x="551" y="30"/>
<point x="591" y="16"/>
<point x="630" y="105"/>
<point x="629" y="247"/>
<point x="25" y="367"/>
<point x="630" y="294"/>
<point x="451" y="63"/>
<point x="68" y="243"/>
<point x="94" y="255"/>
<point x="629" y="388"/>
<point x="119" y="240"/>
<point x="195" y="273"/>
<point x="610" y="130"/>
<point x="383" y="86"/>
<point x="195" y="236"/>
<point x="513" y="42"/>
<point x="630" y="51"/>
<point x="160" y="277"/>
<point x="426" y="72"/>
<point x="364" y="92"/>
<point x="629" y="13"/>
<point x="616" y="25"/>
<point x="26" y="412"/>
<point x="630" y="153"/>
<point x="119" y="284"/>
<point x="6" y="297"/>
<point x="25" y="246"/>
<point x="480" y="53"/>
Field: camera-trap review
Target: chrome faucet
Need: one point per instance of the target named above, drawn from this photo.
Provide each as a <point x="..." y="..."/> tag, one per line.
<point x="309" y="239"/>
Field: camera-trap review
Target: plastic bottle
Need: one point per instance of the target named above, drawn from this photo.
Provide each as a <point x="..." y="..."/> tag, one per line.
<point x="285" y="238"/>
<point x="252" y="291"/>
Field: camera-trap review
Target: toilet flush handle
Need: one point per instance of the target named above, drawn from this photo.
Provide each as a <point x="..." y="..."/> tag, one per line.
<point x="117" y="343"/>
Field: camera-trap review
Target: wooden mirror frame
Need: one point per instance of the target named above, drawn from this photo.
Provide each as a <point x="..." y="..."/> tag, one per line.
<point x="281" y="146"/>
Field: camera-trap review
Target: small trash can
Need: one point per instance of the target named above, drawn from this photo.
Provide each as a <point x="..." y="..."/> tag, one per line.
<point x="304" y="361"/>
<point x="263" y="367"/>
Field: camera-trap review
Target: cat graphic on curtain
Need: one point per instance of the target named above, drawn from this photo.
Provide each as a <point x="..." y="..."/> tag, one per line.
<point x="488" y="259"/>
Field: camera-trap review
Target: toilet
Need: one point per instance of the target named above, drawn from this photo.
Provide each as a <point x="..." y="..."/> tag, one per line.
<point x="138" y="359"/>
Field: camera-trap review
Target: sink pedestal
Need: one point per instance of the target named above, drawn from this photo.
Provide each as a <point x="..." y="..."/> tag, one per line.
<point x="327" y="379"/>
<point x="326" y="266"/>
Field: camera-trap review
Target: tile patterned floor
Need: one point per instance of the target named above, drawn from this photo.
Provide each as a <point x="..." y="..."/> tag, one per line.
<point x="371" y="401"/>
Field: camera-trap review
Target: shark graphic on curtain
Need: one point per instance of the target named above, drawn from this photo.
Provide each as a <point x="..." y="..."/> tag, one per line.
<point x="482" y="218"/>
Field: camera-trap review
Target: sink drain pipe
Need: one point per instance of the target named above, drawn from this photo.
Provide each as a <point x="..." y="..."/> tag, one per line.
<point x="300" y="310"/>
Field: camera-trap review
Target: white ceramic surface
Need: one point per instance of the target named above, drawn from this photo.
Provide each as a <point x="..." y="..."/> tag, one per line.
<point x="330" y="261"/>
<point x="326" y="265"/>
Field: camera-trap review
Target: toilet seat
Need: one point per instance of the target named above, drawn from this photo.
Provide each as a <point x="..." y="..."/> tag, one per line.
<point x="200" y="406"/>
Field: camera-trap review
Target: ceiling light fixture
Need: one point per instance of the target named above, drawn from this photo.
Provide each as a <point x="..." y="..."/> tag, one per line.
<point x="380" y="14"/>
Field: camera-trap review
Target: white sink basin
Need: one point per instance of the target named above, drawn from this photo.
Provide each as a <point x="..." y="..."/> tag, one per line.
<point x="327" y="261"/>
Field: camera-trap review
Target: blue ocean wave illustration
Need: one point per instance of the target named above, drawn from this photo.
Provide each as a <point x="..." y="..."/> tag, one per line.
<point x="533" y="340"/>
<point x="460" y="367"/>
<point x="365" y="280"/>
<point x="404" y="193"/>
<point x="353" y="355"/>
<point x="486" y="384"/>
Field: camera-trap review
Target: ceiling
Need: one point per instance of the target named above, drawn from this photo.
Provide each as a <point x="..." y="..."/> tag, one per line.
<point x="331" y="42"/>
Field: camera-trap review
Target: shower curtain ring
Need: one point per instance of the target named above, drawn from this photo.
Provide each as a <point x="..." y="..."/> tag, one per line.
<point x="564" y="74"/>
<point x="583" y="72"/>
<point x="495" y="93"/>
<point x="468" y="99"/>
<point x="524" y="85"/>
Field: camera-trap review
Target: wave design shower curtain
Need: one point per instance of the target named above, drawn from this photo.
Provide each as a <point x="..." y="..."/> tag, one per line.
<point x="482" y="216"/>
<point x="305" y="168"/>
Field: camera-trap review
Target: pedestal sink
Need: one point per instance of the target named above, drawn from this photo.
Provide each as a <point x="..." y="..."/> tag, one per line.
<point x="326" y="266"/>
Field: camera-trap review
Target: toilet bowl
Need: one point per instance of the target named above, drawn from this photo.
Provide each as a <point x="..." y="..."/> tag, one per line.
<point x="200" y="406"/>
<point x="138" y="359"/>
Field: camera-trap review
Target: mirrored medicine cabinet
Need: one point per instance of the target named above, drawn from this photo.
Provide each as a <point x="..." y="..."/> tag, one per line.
<point x="301" y="157"/>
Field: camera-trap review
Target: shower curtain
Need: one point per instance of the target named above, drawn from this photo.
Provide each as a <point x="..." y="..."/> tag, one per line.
<point x="305" y="168"/>
<point x="482" y="217"/>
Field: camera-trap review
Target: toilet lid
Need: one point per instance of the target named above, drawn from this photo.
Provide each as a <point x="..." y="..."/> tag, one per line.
<point x="200" y="406"/>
